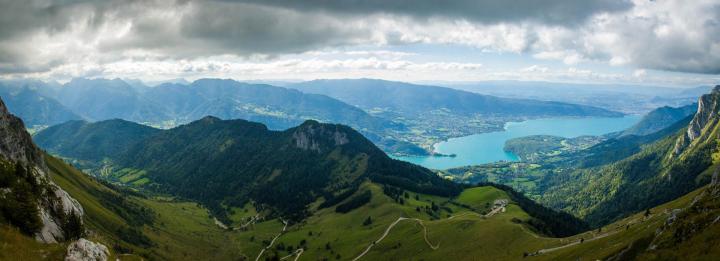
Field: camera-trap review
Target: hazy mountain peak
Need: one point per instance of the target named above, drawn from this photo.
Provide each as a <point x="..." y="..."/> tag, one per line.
<point x="209" y="119"/>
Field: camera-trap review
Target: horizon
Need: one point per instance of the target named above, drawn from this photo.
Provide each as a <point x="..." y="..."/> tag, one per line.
<point x="433" y="83"/>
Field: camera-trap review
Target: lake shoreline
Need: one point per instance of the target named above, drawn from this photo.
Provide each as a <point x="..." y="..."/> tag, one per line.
<point x="466" y="150"/>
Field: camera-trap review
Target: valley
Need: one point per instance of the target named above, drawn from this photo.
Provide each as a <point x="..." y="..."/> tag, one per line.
<point x="146" y="199"/>
<point x="315" y="130"/>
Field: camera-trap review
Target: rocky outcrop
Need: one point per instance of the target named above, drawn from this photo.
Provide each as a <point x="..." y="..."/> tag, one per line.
<point x="15" y="143"/>
<point x="312" y="135"/>
<point x="54" y="204"/>
<point x="52" y="230"/>
<point x="86" y="250"/>
<point x="707" y="114"/>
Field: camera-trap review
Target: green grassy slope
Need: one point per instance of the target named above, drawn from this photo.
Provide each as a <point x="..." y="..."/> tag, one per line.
<point x="691" y="236"/>
<point x="186" y="231"/>
<point x="179" y="230"/>
<point x="15" y="245"/>
<point x="455" y="229"/>
<point x="455" y="232"/>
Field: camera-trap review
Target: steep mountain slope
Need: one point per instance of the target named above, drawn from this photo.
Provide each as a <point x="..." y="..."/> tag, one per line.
<point x="297" y="160"/>
<point x="29" y="200"/>
<point x="35" y="109"/>
<point x="689" y="233"/>
<point x="659" y="119"/>
<point x="230" y="162"/>
<point x="434" y="226"/>
<point x="681" y="229"/>
<point x="661" y="171"/>
<point x="620" y="176"/>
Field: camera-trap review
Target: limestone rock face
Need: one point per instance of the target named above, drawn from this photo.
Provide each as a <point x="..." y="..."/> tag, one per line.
<point x="16" y="145"/>
<point x="707" y="114"/>
<point x="52" y="230"/>
<point x="313" y="136"/>
<point x="86" y="250"/>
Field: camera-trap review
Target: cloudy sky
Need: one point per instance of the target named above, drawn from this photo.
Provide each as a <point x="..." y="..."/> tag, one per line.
<point x="662" y="42"/>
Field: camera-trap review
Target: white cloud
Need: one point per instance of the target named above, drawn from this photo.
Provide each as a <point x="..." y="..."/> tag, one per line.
<point x="640" y="73"/>
<point x="535" y="68"/>
<point x="179" y="38"/>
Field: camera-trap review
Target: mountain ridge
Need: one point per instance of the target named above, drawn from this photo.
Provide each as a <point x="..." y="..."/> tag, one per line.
<point x="28" y="198"/>
<point x="247" y="157"/>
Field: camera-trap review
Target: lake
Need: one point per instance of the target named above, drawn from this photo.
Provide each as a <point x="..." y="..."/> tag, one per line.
<point x="488" y="147"/>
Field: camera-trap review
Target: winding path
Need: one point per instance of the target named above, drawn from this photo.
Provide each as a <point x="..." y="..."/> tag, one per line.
<point x="426" y="235"/>
<point x="632" y="222"/>
<point x="494" y="211"/>
<point x="252" y="221"/>
<point x="273" y="240"/>
<point x="297" y="254"/>
<point x="577" y="242"/>
<point x="387" y="231"/>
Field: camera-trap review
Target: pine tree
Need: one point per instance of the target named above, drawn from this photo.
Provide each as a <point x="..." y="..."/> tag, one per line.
<point x="73" y="227"/>
<point x="367" y="221"/>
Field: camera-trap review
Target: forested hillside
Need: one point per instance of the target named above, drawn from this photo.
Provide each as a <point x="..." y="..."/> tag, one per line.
<point x="230" y="163"/>
<point x="622" y="175"/>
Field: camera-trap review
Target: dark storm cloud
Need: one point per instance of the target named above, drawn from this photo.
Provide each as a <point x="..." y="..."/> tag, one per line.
<point x="21" y="20"/>
<point x="562" y="12"/>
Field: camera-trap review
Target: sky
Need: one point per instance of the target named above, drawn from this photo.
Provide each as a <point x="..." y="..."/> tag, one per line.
<point x="658" y="42"/>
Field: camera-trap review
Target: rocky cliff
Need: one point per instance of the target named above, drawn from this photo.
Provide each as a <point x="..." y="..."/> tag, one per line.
<point x="703" y="125"/>
<point x="314" y="136"/>
<point x="57" y="211"/>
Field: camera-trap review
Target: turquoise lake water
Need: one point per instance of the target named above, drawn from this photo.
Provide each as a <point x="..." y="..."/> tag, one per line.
<point x="488" y="147"/>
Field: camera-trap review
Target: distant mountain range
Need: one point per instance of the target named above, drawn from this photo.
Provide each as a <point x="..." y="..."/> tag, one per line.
<point x="418" y="100"/>
<point x="659" y="119"/>
<point x="35" y="108"/>
<point x="626" y="98"/>
<point x="434" y="114"/>
<point x="400" y="118"/>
